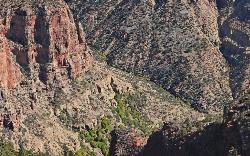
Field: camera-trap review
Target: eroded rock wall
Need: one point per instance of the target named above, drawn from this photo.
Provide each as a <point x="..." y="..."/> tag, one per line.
<point x="43" y="41"/>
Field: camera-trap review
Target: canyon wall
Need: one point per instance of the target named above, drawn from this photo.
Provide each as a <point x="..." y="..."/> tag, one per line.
<point x="174" y="43"/>
<point x="41" y="42"/>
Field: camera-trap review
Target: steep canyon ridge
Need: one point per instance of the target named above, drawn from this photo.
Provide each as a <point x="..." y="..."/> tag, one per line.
<point x="125" y="77"/>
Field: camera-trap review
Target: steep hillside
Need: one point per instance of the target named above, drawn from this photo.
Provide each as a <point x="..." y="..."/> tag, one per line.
<point x="234" y="23"/>
<point x="33" y="120"/>
<point x="174" y="43"/>
<point x="124" y="77"/>
<point x="55" y="99"/>
<point x="231" y="137"/>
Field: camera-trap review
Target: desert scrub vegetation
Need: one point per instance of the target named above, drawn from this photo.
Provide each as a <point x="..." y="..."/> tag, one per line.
<point x="99" y="137"/>
<point x="99" y="55"/>
<point x="84" y="151"/>
<point x="7" y="149"/>
<point x="64" y="117"/>
<point x="188" y="126"/>
<point x="128" y="111"/>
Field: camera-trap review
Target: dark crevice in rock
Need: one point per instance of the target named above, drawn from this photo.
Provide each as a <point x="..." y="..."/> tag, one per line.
<point x="113" y="143"/>
<point x="43" y="77"/>
<point x="42" y="38"/>
<point x="17" y="32"/>
<point x="69" y="70"/>
<point x="159" y="3"/>
<point x="21" y="57"/>
<point x="7" y="123"/>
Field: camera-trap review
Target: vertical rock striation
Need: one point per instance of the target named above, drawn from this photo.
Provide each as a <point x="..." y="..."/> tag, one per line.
<point x="43" y="41"/>
<point x="9" y="70"/>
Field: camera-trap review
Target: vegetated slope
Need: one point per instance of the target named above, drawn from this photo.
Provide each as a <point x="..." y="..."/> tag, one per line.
<point x="144" y="36"/>
<point x="174" y="43"/>
<point x="53" y="102"/>
<point x="53" y="123"/>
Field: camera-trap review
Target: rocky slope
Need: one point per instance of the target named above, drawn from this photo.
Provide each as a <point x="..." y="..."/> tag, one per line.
<point x="198" y="50"/>
<point x="81" y="105"/>
<point x="55" y="98"/>
<point x="231" y="137"/>
<point x="46" y="87"/>
<point x="175" y="43"/>
<point x="235" y="32"/>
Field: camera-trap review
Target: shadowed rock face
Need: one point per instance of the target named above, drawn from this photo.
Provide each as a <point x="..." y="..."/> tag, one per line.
<point x="231" y="137"/>
<point x="234" y="25"/>
<point x="224" y="3"/>
<point x="237" y="119"/>
<point x="170" y="141"/>
<point x="41" y="40"/>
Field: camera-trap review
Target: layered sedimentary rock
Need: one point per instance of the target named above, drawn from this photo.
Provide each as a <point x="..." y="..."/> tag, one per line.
<point x="175" y="43"/>
<point x="234" y="23"/>
<point x="40" y="40"/>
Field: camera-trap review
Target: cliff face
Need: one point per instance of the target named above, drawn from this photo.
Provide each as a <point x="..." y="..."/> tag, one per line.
<point x="41" y="42"/>
<point x="175" y="43"/>
<point x="234" y="23"/>
<point x="42" y="50"/>
<point x="10" y="73"/>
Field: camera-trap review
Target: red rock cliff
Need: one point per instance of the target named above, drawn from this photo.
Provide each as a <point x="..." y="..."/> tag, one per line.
<point x="43" y="41"/>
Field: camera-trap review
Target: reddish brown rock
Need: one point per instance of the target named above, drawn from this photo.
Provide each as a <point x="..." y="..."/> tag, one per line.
<point x="10" y="73"/>
<point x="44" y="40"/>
<point x="126" y="142"/>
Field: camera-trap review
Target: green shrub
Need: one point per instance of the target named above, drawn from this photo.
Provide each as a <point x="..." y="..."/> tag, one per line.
<point x="129" y="113"/>
<point x="98" y="138"/>
<point x="81" y="152"/>
<point x="7" y="149"/>
<point x="105" y="123"/>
